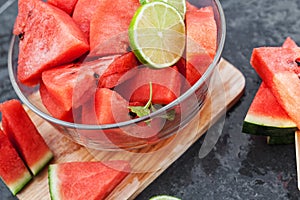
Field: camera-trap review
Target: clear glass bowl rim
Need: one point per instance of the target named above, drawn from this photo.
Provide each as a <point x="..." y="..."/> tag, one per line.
<point x="181" y="98"/>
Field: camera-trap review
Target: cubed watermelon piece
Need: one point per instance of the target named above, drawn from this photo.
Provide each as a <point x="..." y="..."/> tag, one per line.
<point x="109" y="26"/>
<point x="85" y="180"/>
<point x="110" y="107"/>
<point x="72" y="85"/>
<point x="166" y="85"/>
<point x="83" y="13"/>
<point x="119" y="71"/>
<point x="25" y="137"/>
<point x="65" y="5"/>
<point x="13" y="171"/>
<point x="53" y="106"/>
<point x="279" y="69"/>
<point x="48" y="37"/>
<point x="201" y="46"/>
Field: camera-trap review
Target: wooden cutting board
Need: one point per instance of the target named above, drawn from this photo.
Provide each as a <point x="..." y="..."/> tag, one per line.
<point x="148" y="163"/>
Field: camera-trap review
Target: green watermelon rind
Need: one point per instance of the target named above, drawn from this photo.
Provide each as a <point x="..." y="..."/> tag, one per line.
<point x="38" y="166"/>
<point x="18" y="185"/>
<point x="53" y="181"/>
<point x="268" y="126"/>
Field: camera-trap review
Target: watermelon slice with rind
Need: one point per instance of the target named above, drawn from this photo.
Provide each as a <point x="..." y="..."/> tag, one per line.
<point x="24" y="136"/>
<point x="85" y="180"/>
<point x="278" y="68"/>
<point x="266" y="116"/>
<point x="48" y="37"/>
<point x="13" y="171"/>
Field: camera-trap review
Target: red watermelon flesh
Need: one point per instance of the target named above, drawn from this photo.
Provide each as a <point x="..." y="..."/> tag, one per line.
<point x="278" y="68"/>
<point x="86" y="180"/>
<point x="13" y="171"/>
<point x="110" y="107"/>
<point x="166" y="85"/>
<point x="48" y="37"/>
<point x="109" y="26"/>
<point x="24" y="136"/>
<point x="201" y="30"/>
<point x="83" y="13"/>
<point x="115" y="72"/>
<point x="53" y="106"/>
<point x="65" y="5"/>
<point x="72" y="85"/>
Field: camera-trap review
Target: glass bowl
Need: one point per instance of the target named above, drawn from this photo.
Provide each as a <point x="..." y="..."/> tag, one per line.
<point x="136" y="132"/>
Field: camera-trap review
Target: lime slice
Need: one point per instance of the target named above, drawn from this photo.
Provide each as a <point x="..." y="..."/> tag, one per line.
<point x="164" y="197"/>
<point x="180" y="5"/>
<point x="157" y="34"/>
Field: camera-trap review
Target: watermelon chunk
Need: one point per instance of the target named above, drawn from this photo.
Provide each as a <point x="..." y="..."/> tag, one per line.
<point x="67" y="6"/>
<point x="201" y="45"/>
<point x="13" y="171"/>
<point x="110" y="107"/>
<point x="83" y="13"/>
<point x="109" y="26"/>
<point x="72" y="85"/>
<point x="278" y="68"/>
<point x="53" y="106"/>
<point x="48" y="37"/>
<point x="166" y="85"/>
<point x="85" y="180"/>
<point x="24" y="136"/>
<point x="115" y="73"/>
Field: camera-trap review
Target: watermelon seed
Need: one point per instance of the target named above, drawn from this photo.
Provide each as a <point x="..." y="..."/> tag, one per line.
<point x="96" y="75"/>
<point x="298" y="61"/>
<point x="21" y="36"/>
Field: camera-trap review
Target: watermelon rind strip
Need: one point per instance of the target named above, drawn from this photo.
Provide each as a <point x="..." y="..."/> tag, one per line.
<point x="53" y="181"/>
<point x="35" y="169"/>
<point x="20" y="183"/>
<point x="257" y="129"/>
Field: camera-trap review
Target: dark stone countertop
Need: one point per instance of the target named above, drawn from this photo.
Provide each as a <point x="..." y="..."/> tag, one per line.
<point x="239" y="166"/>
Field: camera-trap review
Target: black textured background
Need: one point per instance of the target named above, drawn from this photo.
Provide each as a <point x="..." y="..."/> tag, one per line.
<point x="240" y="166"/>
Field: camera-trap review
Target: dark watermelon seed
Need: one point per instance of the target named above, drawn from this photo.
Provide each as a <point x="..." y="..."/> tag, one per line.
<point x="96" y="75"/>
<point x="21" y="36"/>
<point x="298" y="61"/>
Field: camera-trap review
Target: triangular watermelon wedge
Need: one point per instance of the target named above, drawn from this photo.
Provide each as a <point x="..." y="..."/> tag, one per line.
<point x="13" y="171"/>
<point x="85" y="180"/>
<point x="48" y="37"/>
<point x="24" y="136"/>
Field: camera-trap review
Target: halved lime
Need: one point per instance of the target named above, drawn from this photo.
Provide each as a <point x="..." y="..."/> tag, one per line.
<point x="180" y="5"/>
<point x="164" y="197"/>
<point x="157" y="34"/>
